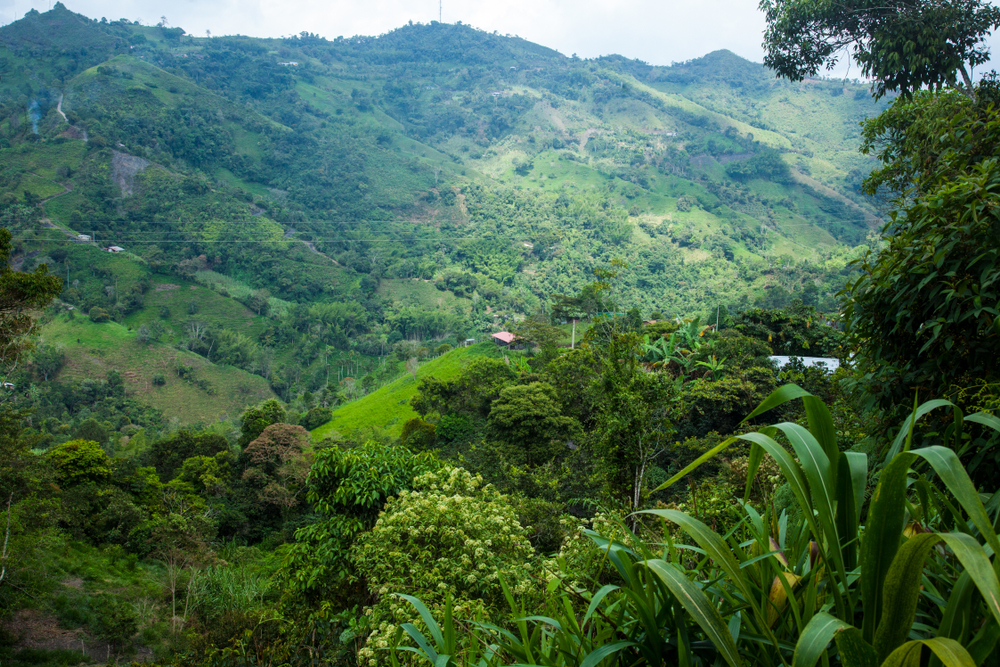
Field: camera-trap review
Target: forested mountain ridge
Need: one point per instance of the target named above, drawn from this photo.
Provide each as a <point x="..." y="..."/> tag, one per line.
<point x="427" y="184"/>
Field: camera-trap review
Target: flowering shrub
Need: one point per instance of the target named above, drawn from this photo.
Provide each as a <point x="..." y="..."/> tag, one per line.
<point x="449" y="535"/>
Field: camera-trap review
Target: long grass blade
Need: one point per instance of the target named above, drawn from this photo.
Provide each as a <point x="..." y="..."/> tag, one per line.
<point x="948" y="651"/>
<point x="884" y="528"/>
<point x="714" y="451"/>
<point x="779" y="396"/>
<point x="815" y="637"/>
<point x="697" y="604"/>
<point x="901" y="592"/>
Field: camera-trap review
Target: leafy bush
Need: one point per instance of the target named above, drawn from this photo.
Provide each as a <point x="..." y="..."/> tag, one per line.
<point x="316" y="417"/>
<point x="449" y="538"/>
<point x="99" y="315"/>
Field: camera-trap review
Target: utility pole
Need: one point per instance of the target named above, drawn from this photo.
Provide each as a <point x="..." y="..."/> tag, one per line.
<point x="717" y="318"/>
<point x="439" y="11"/>
<point x="572" y="344"/>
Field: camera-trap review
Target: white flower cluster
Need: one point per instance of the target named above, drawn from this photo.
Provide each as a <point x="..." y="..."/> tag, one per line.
<point x="451" y="535"/>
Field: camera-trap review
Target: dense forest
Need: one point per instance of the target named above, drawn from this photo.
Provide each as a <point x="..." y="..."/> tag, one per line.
<point x="743" y="410"/>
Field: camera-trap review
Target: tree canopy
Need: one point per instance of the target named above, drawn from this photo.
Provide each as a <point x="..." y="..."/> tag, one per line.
<point x="903" y="45"/>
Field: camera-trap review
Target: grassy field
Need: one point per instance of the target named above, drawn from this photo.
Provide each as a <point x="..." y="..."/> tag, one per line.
<point x="389" y="407"/>
<point x="94" y="349"/>
<point x="181" y="297"/>
<point x="415" y="292"/>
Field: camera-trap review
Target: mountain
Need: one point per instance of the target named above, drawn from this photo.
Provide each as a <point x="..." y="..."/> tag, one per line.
<point x="344" y="195"/>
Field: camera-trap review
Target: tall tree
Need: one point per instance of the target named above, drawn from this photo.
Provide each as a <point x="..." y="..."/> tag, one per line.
<point x="21" y="296"/>
<point x="902" y="45"/>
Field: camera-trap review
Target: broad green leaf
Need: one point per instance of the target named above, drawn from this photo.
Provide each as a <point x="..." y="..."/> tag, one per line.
<point x="986" y="419"/>
<point x="596" y="601"/>
<point x="819" y="475"/>
<point x="815" y="637"/>
<point x="951" y="471"/>
<point x="712" y="543"/>
<point x="977" y="564"/>
<point x="791" y="471"/>
<point x="427" y="617"/>
<point x="697" y="604"/>
<point x="900" y="593"/>
<point x="425" y="647"/>
<point x="851" y="479"/>
<point x="718" y="550"/>
<point x="956" y="613"/>
<point x="985" y="642"/>
<point x="948" y="651"/>
<point x="881" y="539"/>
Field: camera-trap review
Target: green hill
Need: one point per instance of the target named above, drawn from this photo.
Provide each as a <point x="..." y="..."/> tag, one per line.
<point x="429" y="184"/>
<point x="389" y="406"/>
<point x="204" y="393"/>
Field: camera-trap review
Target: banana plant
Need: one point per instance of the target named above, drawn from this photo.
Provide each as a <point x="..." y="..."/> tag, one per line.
<point x="715" y="366"/>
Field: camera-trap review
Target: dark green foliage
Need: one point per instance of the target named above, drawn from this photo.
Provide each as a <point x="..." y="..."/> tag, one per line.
<point x="169" y="454"/>
<point x="471" y="394"/>
<point x="719" y="405"/>
<point x="90" y="429"/>
<point x="418" y="435"/>
<point x="796" y="330"/>
<point x="347" y="488"/>
<point x="117" y="621"/>
<point x="527" y="420"/>
<point x="80" y="462"/>
<point x="316" y="417"/>
<point x="739" y="351"/>
<point x="37" y="657"/>
<point x="901" y="45"/>
<point x="256" y="419"/>
<point x="921" y="312"/>
<point x="99" y="315"/>
<point x="767" y="165"/>
<point x="19" y="294"/>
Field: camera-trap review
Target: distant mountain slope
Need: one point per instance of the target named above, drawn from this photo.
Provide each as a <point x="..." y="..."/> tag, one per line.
<point x="337" y="181"/>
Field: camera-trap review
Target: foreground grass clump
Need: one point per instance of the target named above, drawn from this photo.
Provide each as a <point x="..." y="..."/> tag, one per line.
<point x="916" y="580"/>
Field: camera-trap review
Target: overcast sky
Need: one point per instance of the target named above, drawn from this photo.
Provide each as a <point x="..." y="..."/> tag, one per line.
<point x="656" y="31"/>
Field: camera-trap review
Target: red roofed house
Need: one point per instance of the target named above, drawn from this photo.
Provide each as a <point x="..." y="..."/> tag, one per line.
<point x="504" y="338"/>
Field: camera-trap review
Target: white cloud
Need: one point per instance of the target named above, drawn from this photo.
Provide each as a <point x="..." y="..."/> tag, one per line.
<point x="652" y="30"/>
<point x="656" y="31"/>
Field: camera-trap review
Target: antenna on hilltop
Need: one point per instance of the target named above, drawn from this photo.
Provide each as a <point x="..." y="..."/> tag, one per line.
<point x="439" y="11"/>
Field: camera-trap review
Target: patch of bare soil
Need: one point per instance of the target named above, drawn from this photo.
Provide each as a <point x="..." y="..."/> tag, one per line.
<point x="124" y="168"/>
<point x="34" y="629"/>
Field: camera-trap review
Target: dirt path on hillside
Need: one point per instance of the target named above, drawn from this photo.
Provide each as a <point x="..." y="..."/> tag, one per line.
<point x="59" y="108"/>
<point x="312" y="246"/>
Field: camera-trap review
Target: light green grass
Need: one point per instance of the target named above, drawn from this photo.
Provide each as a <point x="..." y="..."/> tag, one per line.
<point x="92" y="350"/>
<point x="214" y="310"/>
<point x="389" y="407"/>
<point x="416" y="292"/>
